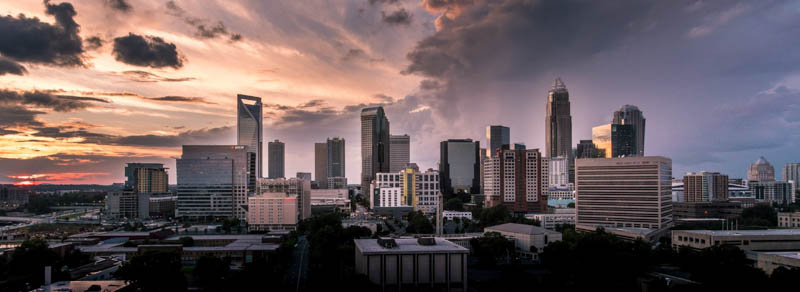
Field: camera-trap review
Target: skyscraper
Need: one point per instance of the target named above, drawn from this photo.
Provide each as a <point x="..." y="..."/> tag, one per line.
<point x="336" y="157"/>
<point x="277" y="155"/>
<point x="791" y="173"/>
<point x="587" y="149"/>
<point x="459" y="166"/>
<point x="558" y="122"/>
<point x="631" y="115"/>
<point x="374" y="146"/>
<point x="399" y="152"/>
<point x="213" y="181"/>
<point x="497" y="137"/>
<point x="249" y="132"/>
<point x="321" y="164"/>
<point x="705" y="187"/>
<point x="517" y="179"/>
<point x="616" y="140"/>
<point x="146" y="177"/>
<point x="761" y="171"/>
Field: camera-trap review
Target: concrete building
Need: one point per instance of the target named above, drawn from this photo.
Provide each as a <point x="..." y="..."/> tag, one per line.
<point x="163" y="205"/>
<point x="399" y="152"/>
<point x="558" y="172"/>
<point x="299" y="188"/>
<point x="303" y="175"/>
<point x="705" y="187"/>
<point x="755" y="240"/>
<point x="12" y="197"/>
<point x="213" y="182"/>
<point x="769" y="261"/>
<point x="459" y="166"/>
<point x="450" y="215"/>
<point x="272" y="211"/>
<point x="528" y="239"/>
<point x="419" y="190"/>
<point x="791" y="174"/>
<point x="562" y="193"/>
<point x="374" y="145"/>
<point x="321" y="164"/>
<point x="761" y="171"/>
<point x="336" y="162"/>
<point x="127" y="204"/>
<point x="615" y="140"/>
<point x="336" y="182"/>
<point x="558" y="122"/>
<point x="772" y="191"/>
<point x="517" y="179"/>
<point x="277" y="159"/>
<point x="631" y="115"/>
<point x="409" y="263"/>
<point x="712" y="209"/>
<point x="337" y="198"/>
<point x="550" y="221"/>
<point x="146" y="177"/>
<point x="497" y="137"/>
<point x="249" y="132"/>
<point x="789" y="219"/>
<point x="629" y="192"/>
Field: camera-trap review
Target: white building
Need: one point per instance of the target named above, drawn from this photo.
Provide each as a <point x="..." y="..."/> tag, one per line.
<point x="551" y="220"/>
<point x="559" y="172"/>
<point x="449" y="215"/>
<point x="272" y="211"/>
<point x="528" y="239"/>
<point x="419" y="190"/>
<point x="560" y="194"/>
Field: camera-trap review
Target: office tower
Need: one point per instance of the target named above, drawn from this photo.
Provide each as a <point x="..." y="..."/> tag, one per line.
<point x="558" y="122"/>
<point x="336" y="160"/>
<point x="304" y="175"/>
<point x="460" y="165"/>
<point x="519" y="146"/>
<point x="772" y="191"/>
<point x="558" y="172"/>
<point x="213" y="182"/>
<point x="399" y="152"/>
<point x="517" y="179"/>
<point x="249" y="133"/>
<point x="374" y="145"/>
<point x="277" y="156"/>
<point x="296" y="187"/>
<point x="497" y="137"/>
<point x="321" y="164"/>
<point x="587" y="149"/>
<point x="272" y="211"/>
<point x="624" y="192"/>
<point x="146" y="177"/>
<point x="791" y="174"/>
<point x="761" y="170"/>
<point x="407" y="188"/>
<point x="705" y="187"/>
<point x="615" y="140"/>
<point x="631" y="115"/>
<point x="337" y="182"/>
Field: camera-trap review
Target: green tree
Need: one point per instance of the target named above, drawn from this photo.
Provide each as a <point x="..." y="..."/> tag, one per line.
<point x="418" y="223"/>
<point x="454" y="204"/>
<point x="210" y="271"/>
<point x="154" y="271"/>
<point x="759" y="215"/>
<point x="491" y="247"/>
<point x="30" y="258"/>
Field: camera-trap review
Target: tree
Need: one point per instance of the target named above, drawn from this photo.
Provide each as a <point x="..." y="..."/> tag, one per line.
<point x="210" y="272"/>
<point x="30" y="258"/>
<point x="454" y="204"/>
<point x="571" y="205"/>
<point x="491" y="247"/>
<point x="759" y="215"/>
<point x="418" y="223"/>
<point x="186" y="241"/>
<point x="493" y="216"/>
<point x="154" y="271"/>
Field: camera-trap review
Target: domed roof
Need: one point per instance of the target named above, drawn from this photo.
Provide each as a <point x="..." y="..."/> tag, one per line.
<point x="761" y="161"/>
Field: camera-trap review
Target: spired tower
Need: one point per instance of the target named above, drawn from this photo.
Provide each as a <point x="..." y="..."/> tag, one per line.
<point x="249" y="133"/>
<point x="558" y="122"/>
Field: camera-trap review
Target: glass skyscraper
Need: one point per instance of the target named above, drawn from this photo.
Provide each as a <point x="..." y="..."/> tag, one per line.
<point x="460" y="166"/>
<point x="277" y="163"/>
<point x="497" y="137"/>
<point x="212" y="182"/>
<point x="615" y="140"/>
<point x="558" y="122"/>
<point x="374" y="146"/>
<point x="249" y="132"/>
<point x="631" y="115"/>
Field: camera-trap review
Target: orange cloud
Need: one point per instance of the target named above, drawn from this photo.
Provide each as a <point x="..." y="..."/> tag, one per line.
<point x="55" y="178"/>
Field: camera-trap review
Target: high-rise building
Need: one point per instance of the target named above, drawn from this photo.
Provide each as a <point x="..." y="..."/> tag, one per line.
<point x="272" y="211"/>
<point x="587" y="149"/>
<point x="517" y="179"/>
<point x="374" y="145"/>
<point x="407" y="188"/>
<point x="761" y="171"/>
<point x="459" y="166"/>
<point x="558" y="172"/>
<point x="295" y="187"/>
<point x="624" y="192"/>
<point x="213" y="182"/>
<point x="277" y="162"/>
<point x="791" y="174"/>
<point x="321" y="164"/>
<point x="616" y="140"/>
<point x="336" y="157"/>
<point x="146" y="177"/>
<point x="558" y="122"/>
<point x="705" y="187"/>
<point x="631" y="115"/>
<point x="399" y="152"/>
<point x="772" y="191"/>
<point x="497" y="137"/>
<point x="249" y="133"/>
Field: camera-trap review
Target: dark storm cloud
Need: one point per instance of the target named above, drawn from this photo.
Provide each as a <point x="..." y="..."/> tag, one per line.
<point x="8" y="66"/>
<point x="46" y="99"/>
<point x="18" y="116"/>
<point x="93" y="43"/>
<point x="147" y="51"/>
<point x="182" y="138"/>
<point x="359" y="55"/>
<point x="119" y="5"/>
<point x="204" y="28"/>
<point x="429" y="84"/>
<point x="30" y="40"/>
<point x="184" y="99"/>
<point x="400" y="16"/>
<point x="144" y="76"/>
<point x="7" y="132"/>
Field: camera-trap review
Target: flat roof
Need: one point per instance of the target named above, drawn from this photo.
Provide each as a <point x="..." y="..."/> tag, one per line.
<point x="744" y="232"/>
<point x="785" y="254"/>
<point x="520" y="228"/>
<point x="408" y="246"/>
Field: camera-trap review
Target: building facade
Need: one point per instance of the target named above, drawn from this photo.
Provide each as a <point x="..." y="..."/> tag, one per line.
<point x="416" y="189"/>
<point x="761" y="170"/>
<point x="336" y="157"/>
<point x="705" y="187"/>
<point x="459" y="167"/>
<point x="624" y="192"/>
<point x="587" y="149"/>
<point x="558" y="122"/>
<point x="497" y="137"/>
<point x="789" y="219"/>
<point x="631" y="115"/>
<point x="615" y="140"/>
<point x="213" y="182"/>
<point x="772" y="191"/>
<point x="293" y="187"/>
<point x="277" y="159"/>
<point x="517" y="179"/>
<point x="272" y="211"/>
<point x="249" y="132"/>
<point x="146" y="177"/>
<point x="321" y="164"/>
<point x="374" y="145"/>
<point x="791" y="174"/>
<point x="558" y="172"/>
<point x="399" y="152"/>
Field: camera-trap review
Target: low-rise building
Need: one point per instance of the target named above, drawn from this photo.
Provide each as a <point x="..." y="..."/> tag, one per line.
<point x="528" y="239"/>
<point x="789" y="219"/>
<point x="449" y="215"/>
<point x="756" y="240"/>
<point x="707" y="209"/>
<point x="337" y="198"/>
<point x="769" y="261"/>
<point x="272" y="211"/>
<point x="549" y="221"/>
<point x="412" y="263"/>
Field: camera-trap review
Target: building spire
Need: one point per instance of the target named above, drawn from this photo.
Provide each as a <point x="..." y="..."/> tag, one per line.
<point x="558" y="84"/>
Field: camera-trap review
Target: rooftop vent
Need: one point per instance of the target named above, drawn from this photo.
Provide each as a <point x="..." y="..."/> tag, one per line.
<point x="387" y="242"/>
<point x="426" y="241"/>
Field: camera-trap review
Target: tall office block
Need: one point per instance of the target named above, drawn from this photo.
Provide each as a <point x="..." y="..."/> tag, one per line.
<point x="399" y="152"/>
<point x="615" y="140"/>
<point x="761" y="170"/>
<point x="624" y="192"/>
<point x="146" y="177"/>
<point x="517" y="179"/>
<point x="213" y="182"/>
<point x="321" y="164"/>
<point x="374" y="145"/>
<point x="772" y="191"/>
<point x="249" y="132"/>
<point x="336" y="157"/>
<point x="277" y="159"/>
<point x="460" y="162"/>
<point x="558" y="122"/>
<point x="705" y="187"/>
<point x="497" y="137"/>
<point x="587" y="149"/>
<point x="296" y="187"/>
<point x="791" y="174"/>
<point x="631" y="115"/>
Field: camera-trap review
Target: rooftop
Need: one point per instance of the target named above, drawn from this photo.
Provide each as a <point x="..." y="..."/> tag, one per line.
<point x="519" y="228"/>
<point x="744" y="232"/>
<point x="407" y="246"/>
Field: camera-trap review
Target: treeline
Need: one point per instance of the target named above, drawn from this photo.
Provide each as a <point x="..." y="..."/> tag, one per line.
<point x="41" y="204"/>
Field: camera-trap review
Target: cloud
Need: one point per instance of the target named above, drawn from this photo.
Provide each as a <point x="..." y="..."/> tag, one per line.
<point x="94" y="43"/>
<point x="358" y="55"/>
<point x="204" y="28"/>
<point x="119" y="5"/>
<point x="717" y="20"/>
<point x="8" y="66"/>
<point x="398" y="17"/>
<point x="147" y="51"/>
<point x="373" y="2"/>
<point x="17" y="116"/>
<point x="144" y="76"/>
<point x="46" y="100"/>
<point x="181" y="99"/>
<point x="30" y="40"/>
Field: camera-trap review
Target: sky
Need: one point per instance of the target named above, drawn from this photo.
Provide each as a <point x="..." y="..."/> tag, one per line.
<point x="89" y="85"/>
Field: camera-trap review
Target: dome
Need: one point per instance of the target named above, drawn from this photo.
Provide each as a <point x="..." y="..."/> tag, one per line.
<point x="761" y="161"/>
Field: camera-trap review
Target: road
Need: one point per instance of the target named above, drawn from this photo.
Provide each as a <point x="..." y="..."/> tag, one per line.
<point x="298" y="270"/>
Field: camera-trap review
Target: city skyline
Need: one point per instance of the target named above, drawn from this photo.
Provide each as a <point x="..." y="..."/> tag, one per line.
<point x="79" y="116"/>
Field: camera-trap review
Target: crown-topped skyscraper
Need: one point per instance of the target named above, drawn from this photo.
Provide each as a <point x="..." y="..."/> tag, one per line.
<point x="558" y="122"/>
